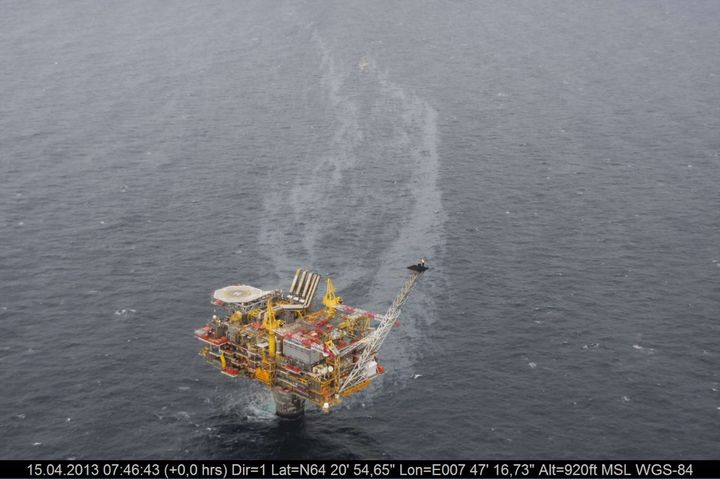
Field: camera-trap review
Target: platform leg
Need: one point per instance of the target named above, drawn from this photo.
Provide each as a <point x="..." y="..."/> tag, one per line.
<point x="288" y="405"/>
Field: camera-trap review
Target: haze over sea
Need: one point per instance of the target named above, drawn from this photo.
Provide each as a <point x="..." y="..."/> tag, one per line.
<point x="557" y="162"/>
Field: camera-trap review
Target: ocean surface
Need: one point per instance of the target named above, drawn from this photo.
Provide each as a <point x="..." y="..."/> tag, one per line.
<point x="557" y="162"/>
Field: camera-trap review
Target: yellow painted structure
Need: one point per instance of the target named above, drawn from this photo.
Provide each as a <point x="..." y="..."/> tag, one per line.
<point x="300" y="353"/>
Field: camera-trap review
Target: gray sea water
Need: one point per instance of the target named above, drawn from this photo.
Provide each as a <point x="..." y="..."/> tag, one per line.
<point x="558" y="162"/>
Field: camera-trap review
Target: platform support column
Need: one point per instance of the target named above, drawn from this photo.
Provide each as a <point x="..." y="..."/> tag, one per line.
<point x="288" y="405"/>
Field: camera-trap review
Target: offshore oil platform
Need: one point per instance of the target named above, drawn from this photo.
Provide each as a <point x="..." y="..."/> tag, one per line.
<point x="300" y="353"/>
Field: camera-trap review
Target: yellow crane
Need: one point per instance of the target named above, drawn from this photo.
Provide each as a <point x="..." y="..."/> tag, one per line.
<point x="331" y="300"/>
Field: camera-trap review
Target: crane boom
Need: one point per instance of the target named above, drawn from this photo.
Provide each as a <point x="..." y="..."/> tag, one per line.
<point x="374" y="341"/>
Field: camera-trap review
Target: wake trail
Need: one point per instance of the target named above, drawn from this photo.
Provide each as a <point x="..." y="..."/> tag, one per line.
<point x="370" y="204"/>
